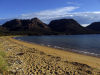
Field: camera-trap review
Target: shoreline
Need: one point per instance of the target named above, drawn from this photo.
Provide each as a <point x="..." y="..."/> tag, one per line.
<point x="79" y="57"/>
<point x="67" y="49"/>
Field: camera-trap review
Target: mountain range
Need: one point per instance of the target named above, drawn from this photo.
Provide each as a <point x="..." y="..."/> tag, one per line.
<point x="35" y="26"/>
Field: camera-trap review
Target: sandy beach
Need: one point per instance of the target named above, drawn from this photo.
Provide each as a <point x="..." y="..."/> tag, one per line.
<point x="32" y="59"/>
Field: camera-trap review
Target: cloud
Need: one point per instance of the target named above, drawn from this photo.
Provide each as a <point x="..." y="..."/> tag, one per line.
<point x="59" y="11"/>
<point x="50" y="13"/>
<point x="73" y="3"/>
<point x="3" y="20"/>
<point x="85" y="17"/>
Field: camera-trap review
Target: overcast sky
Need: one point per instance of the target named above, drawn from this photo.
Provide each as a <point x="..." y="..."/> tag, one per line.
<point x="84" y="11"/>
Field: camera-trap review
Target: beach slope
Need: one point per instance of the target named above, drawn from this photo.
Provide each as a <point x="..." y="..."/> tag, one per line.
<point x="32" y="59"/>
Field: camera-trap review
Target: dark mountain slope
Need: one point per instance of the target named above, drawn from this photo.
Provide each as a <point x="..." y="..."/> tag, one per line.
<point x="17" y="24"/>
<point x="94" y="26"/>
<point x="68" y="26"/>
<point x="29" y="26"/>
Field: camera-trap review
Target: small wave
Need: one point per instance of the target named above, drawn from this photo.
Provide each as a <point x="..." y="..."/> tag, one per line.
<point x="86" y="52"/>
<point x="57" y="47"/>
<point x="49" y="45"/>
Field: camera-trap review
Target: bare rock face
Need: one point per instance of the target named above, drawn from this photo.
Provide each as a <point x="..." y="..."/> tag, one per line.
<point x="68" y="26"/>
<point x="94" y="26"/>
<point x="35" y="22"/>
<point x="28" y="24"/>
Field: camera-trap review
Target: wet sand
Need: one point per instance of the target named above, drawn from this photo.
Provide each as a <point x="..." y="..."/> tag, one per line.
<point x="32" y="59"/>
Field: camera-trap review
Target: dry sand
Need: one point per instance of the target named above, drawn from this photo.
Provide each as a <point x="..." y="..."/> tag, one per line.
<point x="32" y="59"/>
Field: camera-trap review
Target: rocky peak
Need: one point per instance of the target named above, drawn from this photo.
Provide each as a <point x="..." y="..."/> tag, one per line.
<point x="35" y="19"/>
<point x="27" y="24"/>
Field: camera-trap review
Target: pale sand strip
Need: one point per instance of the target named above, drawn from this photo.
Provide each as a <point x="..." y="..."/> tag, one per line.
<point x="70" y="56"/>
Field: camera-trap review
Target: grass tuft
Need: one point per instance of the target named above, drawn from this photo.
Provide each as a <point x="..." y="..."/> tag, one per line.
<point x="3" y="62"/>
<point x="2" y="53"/>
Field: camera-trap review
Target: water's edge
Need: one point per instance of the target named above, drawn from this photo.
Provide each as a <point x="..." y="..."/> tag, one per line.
<point x="65" y="49"/>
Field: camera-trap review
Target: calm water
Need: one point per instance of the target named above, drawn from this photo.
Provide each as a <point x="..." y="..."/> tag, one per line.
<point x="88" y="44"/>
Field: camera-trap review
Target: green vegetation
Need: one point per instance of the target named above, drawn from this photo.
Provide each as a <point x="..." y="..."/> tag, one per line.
<point x="2" y="53"/>
<point x="3" y="63"/>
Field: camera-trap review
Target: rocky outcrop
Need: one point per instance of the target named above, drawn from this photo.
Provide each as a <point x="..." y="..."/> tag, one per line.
<point x="17" y="24"/>
<point x="67" y="26"/>
<point x="27" y="27"/>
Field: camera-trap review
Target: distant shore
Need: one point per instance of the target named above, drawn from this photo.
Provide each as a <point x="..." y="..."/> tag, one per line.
<point x="27" y="58"/>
